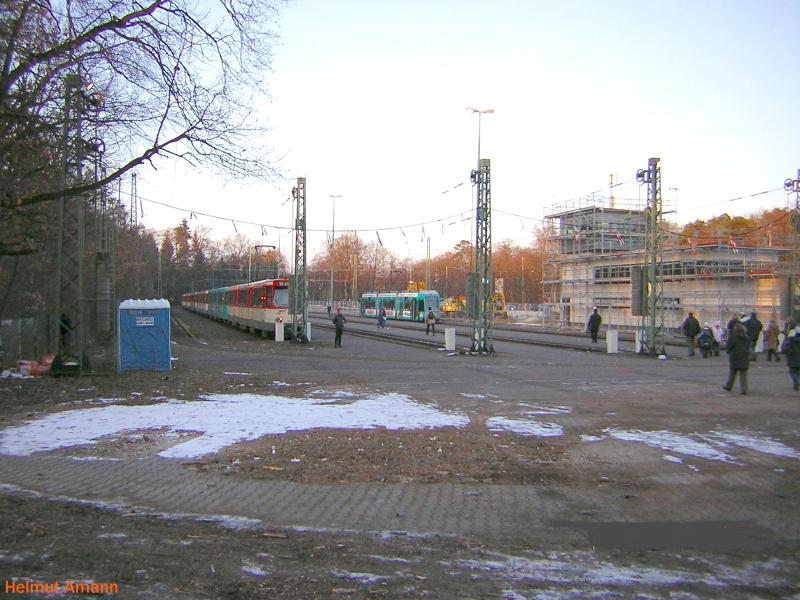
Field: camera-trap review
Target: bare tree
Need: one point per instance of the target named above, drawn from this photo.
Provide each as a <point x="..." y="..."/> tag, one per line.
<point x="164" y="78"/>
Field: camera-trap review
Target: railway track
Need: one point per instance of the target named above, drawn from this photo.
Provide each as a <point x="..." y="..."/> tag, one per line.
<point x="414" y="328"/>
<point x="509" y="334"/>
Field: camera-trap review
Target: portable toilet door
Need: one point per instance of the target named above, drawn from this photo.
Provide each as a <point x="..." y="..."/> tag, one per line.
<point x="144" y="336"/>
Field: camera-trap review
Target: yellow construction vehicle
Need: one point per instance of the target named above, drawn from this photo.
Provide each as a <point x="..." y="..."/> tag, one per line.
<point x="453" y="305"/>
<point x="499" y="303"/>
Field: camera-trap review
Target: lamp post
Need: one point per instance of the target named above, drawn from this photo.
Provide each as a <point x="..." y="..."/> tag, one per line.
<point x="250" y="259"/>
<point x="486" y="111"/>
<point x="333" y="237"/>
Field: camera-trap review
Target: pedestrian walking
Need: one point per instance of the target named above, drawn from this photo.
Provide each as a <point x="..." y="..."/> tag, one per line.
<point x="593" y="324"/>
<point x="738" y="348"/>
<point x="791" y="349"/>
<point x="753" y="327"/>
<point x="382" y="318"/>
<point x="771" y="341"/>
<point x="329" y="310"/>
<point x="430" y="322"/>
<point x="690" y="328"/>
<point x="338" y="323"/>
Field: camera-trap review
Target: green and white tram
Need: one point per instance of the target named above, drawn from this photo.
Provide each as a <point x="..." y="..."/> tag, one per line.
<point x="402" y="306"/>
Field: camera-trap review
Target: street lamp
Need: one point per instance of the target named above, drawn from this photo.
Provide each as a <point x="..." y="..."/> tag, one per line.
<point x="250" y="259"/>
<point x="486" y="111"/>
<point x="333" y="237"/>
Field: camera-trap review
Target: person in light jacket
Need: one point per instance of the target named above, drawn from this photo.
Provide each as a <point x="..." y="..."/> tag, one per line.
<point x="771" y="340"/>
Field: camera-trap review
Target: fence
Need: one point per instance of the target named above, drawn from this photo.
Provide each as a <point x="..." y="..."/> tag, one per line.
<point x="23" y="339"/>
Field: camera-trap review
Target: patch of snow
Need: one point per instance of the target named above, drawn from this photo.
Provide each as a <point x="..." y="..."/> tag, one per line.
<point x="219" y="420"/>
<point x="591" y="438"/>
<point x="567" y="568"/>
<point x="235" y="373"/>
<point x="112" y="536"/>
<point x="541" y="409"/>
<point x="672" y="442"/>
<point x="673" y="459"/>
<point x="521" y="427"/>
<point x="252" y="569"/>
<point x="751" y="442"/>
<point x="391" y="559"/>
<point x="365" y="578"/>
<point x="479" y="396"/>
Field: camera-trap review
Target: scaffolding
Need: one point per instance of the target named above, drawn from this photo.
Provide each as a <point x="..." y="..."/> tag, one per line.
<point x="592" y="250"/>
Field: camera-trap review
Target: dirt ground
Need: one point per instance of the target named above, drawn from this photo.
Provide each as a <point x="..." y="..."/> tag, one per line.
<point x="154" y="555"/>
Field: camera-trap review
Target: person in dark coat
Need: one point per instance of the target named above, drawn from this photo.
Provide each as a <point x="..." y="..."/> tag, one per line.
<point x="593" y="324"/>
<point x="754" y="327"/>
<point x="791" y="349"/>
<point x="338" y="323"/>
<point x="690" y="328"/>
<point x="382" y="318"/>
<point x="734" y="320"/>
<point x="430" y="322"/>
<point x="738" y="348"/>
<point x="705" y="341"/>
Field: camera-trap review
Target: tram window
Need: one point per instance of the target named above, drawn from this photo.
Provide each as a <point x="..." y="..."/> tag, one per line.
<point x="281" y="297"/>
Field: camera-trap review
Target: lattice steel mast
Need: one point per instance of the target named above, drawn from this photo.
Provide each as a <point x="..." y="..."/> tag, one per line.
<point x="483" y="319"/>
<point x="299" y="300"/>
<point x="793" y="185"/>
<point x="68" y="333"/>
<point x="134" y="203"/>
<point x="654" y="256"/>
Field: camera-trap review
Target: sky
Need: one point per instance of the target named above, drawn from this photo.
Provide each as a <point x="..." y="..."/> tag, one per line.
<point x="368" y="102"/>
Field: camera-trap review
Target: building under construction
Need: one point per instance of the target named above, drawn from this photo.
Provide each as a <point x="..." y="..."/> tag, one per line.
<point x="595" y="257"/>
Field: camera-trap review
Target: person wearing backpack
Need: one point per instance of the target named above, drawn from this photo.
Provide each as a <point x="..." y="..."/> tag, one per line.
<point x="430" y="322"/>
<point x="791" y="349"/>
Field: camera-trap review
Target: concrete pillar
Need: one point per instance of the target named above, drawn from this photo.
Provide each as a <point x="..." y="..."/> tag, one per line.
<point x="279" y="332"/>
<point x="450" y="339"/>
<point x="308" y="331"/>
<point x="612" y="341"/>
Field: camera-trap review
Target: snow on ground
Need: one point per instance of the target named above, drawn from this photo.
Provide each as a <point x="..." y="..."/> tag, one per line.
<point x="716" y="446"/>
<point x="590" y="569"/>
<point x="223" y="420"/>
<point x="522" y="427"/>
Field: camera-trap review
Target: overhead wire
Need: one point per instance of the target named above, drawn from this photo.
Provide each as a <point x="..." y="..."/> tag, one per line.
<point x="459" y="216"/>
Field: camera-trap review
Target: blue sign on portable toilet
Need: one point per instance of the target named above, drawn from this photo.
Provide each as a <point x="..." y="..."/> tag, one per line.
<point x="144" y="336"/>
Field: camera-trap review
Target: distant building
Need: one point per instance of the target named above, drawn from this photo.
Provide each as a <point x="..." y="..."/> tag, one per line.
<point x="592" y="251"/>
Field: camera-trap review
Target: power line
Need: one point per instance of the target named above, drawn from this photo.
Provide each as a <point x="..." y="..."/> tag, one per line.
<point x="460" y="216"/>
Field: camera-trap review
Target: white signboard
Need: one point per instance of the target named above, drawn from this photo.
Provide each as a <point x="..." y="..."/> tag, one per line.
<point x="145" y="321"/>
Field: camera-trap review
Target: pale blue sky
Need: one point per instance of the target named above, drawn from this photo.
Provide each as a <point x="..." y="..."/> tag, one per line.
<point x="368" y="101"/>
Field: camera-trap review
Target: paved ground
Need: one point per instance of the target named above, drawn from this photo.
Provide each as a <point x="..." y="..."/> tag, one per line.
<point x="637" y="476"/>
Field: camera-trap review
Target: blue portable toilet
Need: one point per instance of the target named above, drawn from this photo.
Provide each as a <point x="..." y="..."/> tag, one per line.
<point x="144" y="336"/>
